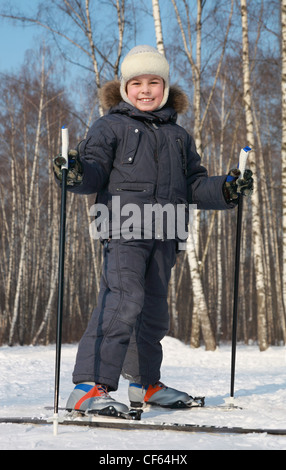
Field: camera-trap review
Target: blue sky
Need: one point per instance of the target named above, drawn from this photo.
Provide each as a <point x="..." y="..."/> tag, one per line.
<point x="16" y="39"/>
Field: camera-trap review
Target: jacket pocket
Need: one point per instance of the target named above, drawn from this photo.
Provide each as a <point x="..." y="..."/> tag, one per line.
<point x="132" y="187"/>
<point x="131" y="145"/>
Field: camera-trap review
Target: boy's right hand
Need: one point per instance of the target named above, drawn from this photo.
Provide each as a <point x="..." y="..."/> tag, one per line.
<point x="75" y="169"/>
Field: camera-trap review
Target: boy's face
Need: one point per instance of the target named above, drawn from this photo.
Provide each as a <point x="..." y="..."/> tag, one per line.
<point x="146" y="92"/>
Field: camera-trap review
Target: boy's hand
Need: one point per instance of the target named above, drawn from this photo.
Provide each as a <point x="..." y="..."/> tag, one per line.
<point x="75" y="170"/>
<point x="244" y="186"/>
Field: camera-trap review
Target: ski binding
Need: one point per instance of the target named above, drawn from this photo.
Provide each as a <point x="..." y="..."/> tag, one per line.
<point x="197" y="402"/>
<point x="112" y="412"/>
<point x="108" y="412"/>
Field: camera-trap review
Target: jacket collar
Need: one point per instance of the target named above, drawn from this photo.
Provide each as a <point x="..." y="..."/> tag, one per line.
<point x="162" y="115"/>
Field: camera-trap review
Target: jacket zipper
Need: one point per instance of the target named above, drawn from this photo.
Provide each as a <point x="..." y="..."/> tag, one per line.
<point x="183" y="153"/>
<point x="153" y="126"/>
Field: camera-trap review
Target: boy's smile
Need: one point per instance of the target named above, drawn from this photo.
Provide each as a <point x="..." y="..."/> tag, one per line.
<point x="146" y="92"/>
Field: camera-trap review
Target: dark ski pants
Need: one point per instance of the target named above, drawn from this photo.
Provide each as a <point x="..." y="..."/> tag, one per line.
<point x="131" y="317"/>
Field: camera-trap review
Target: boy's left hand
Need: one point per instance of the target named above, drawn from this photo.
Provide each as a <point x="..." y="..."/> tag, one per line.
<point x="243" y="186"/>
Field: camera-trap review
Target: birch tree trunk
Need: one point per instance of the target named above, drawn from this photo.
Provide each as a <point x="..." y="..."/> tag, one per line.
<point x="158" y="26"/>
<point x="29" y="210"/>
<point x="274" y="294"/>
<point x="197" y="71"/>
<point x="200" y="311"/>
<point x="12" y="234"/>
<point x="200" y="304"/>
<point x="256" y="219"/>
<point x="198" y="125"/>
<point x="219" y="222"/>
<point x="283" y="149"/>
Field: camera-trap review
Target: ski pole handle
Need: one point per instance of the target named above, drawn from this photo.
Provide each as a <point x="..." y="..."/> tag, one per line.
<point x="242" y="160"/>
<point x="241" y="163"/>
<point x="65" y="147"/>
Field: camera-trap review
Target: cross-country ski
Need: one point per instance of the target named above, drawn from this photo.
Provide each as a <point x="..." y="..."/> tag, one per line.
<point x="27" y="391"/>
<point x="134" y="425"/>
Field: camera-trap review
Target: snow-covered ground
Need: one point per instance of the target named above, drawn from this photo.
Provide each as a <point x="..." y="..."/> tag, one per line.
<point x="27" y="387"/>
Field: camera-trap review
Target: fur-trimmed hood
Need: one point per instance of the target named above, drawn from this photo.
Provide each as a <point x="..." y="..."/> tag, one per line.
<point x="110" y="96"/>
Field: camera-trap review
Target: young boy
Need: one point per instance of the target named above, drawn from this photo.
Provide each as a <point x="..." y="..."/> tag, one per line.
<point x="137" y="152"/>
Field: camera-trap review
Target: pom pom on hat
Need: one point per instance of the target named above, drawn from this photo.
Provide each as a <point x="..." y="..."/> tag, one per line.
<point x="143" y="60"/>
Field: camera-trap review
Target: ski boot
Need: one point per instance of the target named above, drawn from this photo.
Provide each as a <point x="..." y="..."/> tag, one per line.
<point x="91" y="398"/>
<point x="161" y="395"/>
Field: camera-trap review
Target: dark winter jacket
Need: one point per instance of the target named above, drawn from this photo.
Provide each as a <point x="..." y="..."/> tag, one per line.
<point x="145" y="157"/>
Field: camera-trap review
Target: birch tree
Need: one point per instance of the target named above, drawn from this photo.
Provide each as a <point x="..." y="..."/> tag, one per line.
<point x="10" y="266"/>
<point x="29" y="209"/>
<point x="256" y="219"/>
<point x="194" y="63"/>
<point x="283" y="147"/>
<point x="200" y="311"/>
<point x="158" y="26"/>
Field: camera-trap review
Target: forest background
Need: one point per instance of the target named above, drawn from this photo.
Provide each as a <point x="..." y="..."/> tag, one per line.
<point x="230" y="58"/>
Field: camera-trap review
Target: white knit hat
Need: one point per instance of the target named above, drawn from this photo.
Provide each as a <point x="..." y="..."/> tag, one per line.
<point x="143" y="60"/>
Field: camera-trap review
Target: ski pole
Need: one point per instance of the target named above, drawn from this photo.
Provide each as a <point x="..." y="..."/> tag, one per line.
<point x="241" y="165"/>
<point x="64" y="169"/>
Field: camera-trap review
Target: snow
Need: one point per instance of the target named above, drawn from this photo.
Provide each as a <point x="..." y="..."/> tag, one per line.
<point x="27" y="387"/>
